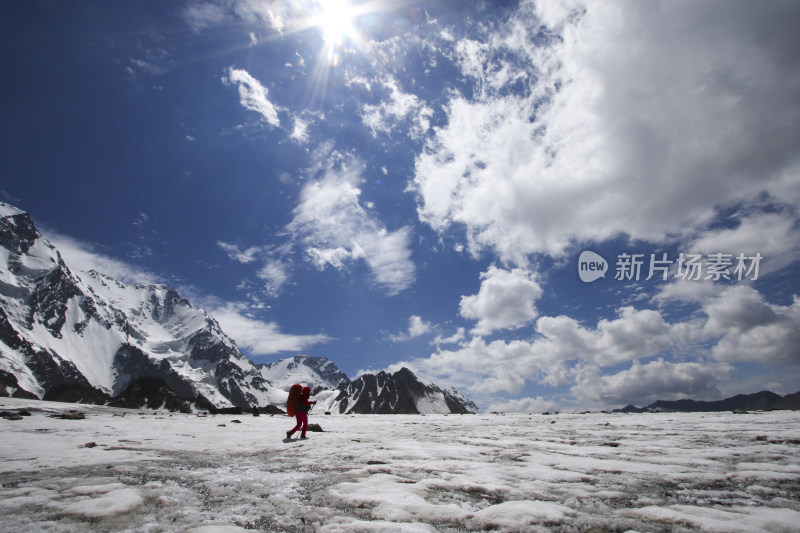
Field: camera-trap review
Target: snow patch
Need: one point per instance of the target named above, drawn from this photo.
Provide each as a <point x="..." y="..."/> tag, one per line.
<point x="110" y="503"/>
<point x="218" y="529"/>
<point x="7" y="210"/>
<point x="640" y="472"/>
<point x="518" y="515"/>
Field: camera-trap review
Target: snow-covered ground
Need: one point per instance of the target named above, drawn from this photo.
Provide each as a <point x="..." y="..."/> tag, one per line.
<point x="154" y="472"/>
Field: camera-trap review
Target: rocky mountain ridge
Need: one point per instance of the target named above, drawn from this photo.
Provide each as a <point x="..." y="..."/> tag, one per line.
<point x="74" y="336"/>
<point x="400" y="392"/>
<point x="759" y="401"/>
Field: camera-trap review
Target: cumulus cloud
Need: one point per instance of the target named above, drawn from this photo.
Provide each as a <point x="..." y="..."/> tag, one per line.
<point x="524" y="405"/>
<point x="633" y="334"/>
<point x="416" y="328"/>
<point x="734" y="325"/>
<point x="506" y="299"/>
<point x="480" y="367"/>
<point x="335" y="229"/>
<point x="639" y="120"/>
<point x="773" y="235"/>
<point x="455" y="338"/>
<point x="752" y="330"/>
<point x="738" y="323"/>
<point x="642" y="384"/>
<point x="560" y="346"/>
<point x="252" y="95"/>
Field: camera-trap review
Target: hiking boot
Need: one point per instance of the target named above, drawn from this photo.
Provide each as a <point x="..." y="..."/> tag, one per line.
<point x="288" y="434"/>
<point x="303" y="438"/>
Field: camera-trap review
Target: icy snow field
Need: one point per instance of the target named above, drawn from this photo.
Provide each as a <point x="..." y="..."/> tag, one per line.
<point x="160" y="472"/>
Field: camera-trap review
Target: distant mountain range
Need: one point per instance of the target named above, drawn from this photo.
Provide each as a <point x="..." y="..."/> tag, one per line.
<point x="86" y="337"/>
<point x="759" y="401"/>
<point x="400" y="392"/>
<point x="319" y="373"/>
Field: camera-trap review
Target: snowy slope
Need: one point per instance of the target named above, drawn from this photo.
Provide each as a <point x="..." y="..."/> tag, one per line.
<point x="463" y="400"/>
<point x="319" y="373"/>
<point x="58" y="326"/>
<point x="401" y="392"/>
<point x="504" y="473"/>
<point x="315" y="372"/>
<point x="87" y="329"/>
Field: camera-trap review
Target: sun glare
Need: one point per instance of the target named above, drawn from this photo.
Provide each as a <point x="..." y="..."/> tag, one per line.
<point x="336" y="21"/>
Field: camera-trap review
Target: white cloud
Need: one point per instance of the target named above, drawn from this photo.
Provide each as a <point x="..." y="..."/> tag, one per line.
<point x="398" y="107"/>
<point x="505" y="300"/>
<point x="774" y="235"/>
<point x="478" y="367"/>
<point x="639" y="120"/>
<point x="642" y="384"/>
<point x="524" y="405"/>
<point x="734" y="325"/>
<point x="259" y="337"/>
<point x="202" y="15"/>
<point x="335" y="229"/>
<point x="266" y="14"/>
<point x="252" y="95"/>
<point x="300" y="131"/>
<point x="81" y="256"/>
<point x="633" y="334"/>
<point x="752" y="330"/>
<point x="243" y="256"/>
<point x="561" y="343"/>
<point x="455" y="338"/>
<point x="416" y="328"/>
<point x="738" y="322"/>
<point x="275" y="273"/>
<point x="276" y="265"/>
<point x="254" y="335"/>
<point x="697" y="291"/>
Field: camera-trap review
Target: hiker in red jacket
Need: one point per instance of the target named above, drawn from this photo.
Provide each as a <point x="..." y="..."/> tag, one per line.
<point x="303" y="407"/>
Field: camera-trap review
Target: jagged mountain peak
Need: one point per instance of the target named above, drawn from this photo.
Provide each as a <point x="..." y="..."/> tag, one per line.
<point x="59" y="327"/>
<point x="317" y="372"/>
<point x="400" y="392"/>
<point x="8" y="210"/>
<point x="87" y="330"/>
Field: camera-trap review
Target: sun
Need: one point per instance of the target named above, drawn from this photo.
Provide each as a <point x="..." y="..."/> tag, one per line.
<point x="336" y="21"/>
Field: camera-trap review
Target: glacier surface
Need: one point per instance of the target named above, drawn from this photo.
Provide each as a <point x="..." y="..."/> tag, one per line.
<point x="122" y="470"/>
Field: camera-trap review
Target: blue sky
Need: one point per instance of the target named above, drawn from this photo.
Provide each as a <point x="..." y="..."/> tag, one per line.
<point x="412" y="183"/>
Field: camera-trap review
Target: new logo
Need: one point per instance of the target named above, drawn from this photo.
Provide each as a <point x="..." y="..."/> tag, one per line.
<point x="591" y="266"/>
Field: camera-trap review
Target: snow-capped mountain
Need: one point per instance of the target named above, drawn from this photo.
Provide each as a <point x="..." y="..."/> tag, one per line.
<point x="316" y="372"/>
<point x="58" y="326"/>
<point x="89" y="336"/>
<point x="463" y="400"/>
<point x="401" y="392"/>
